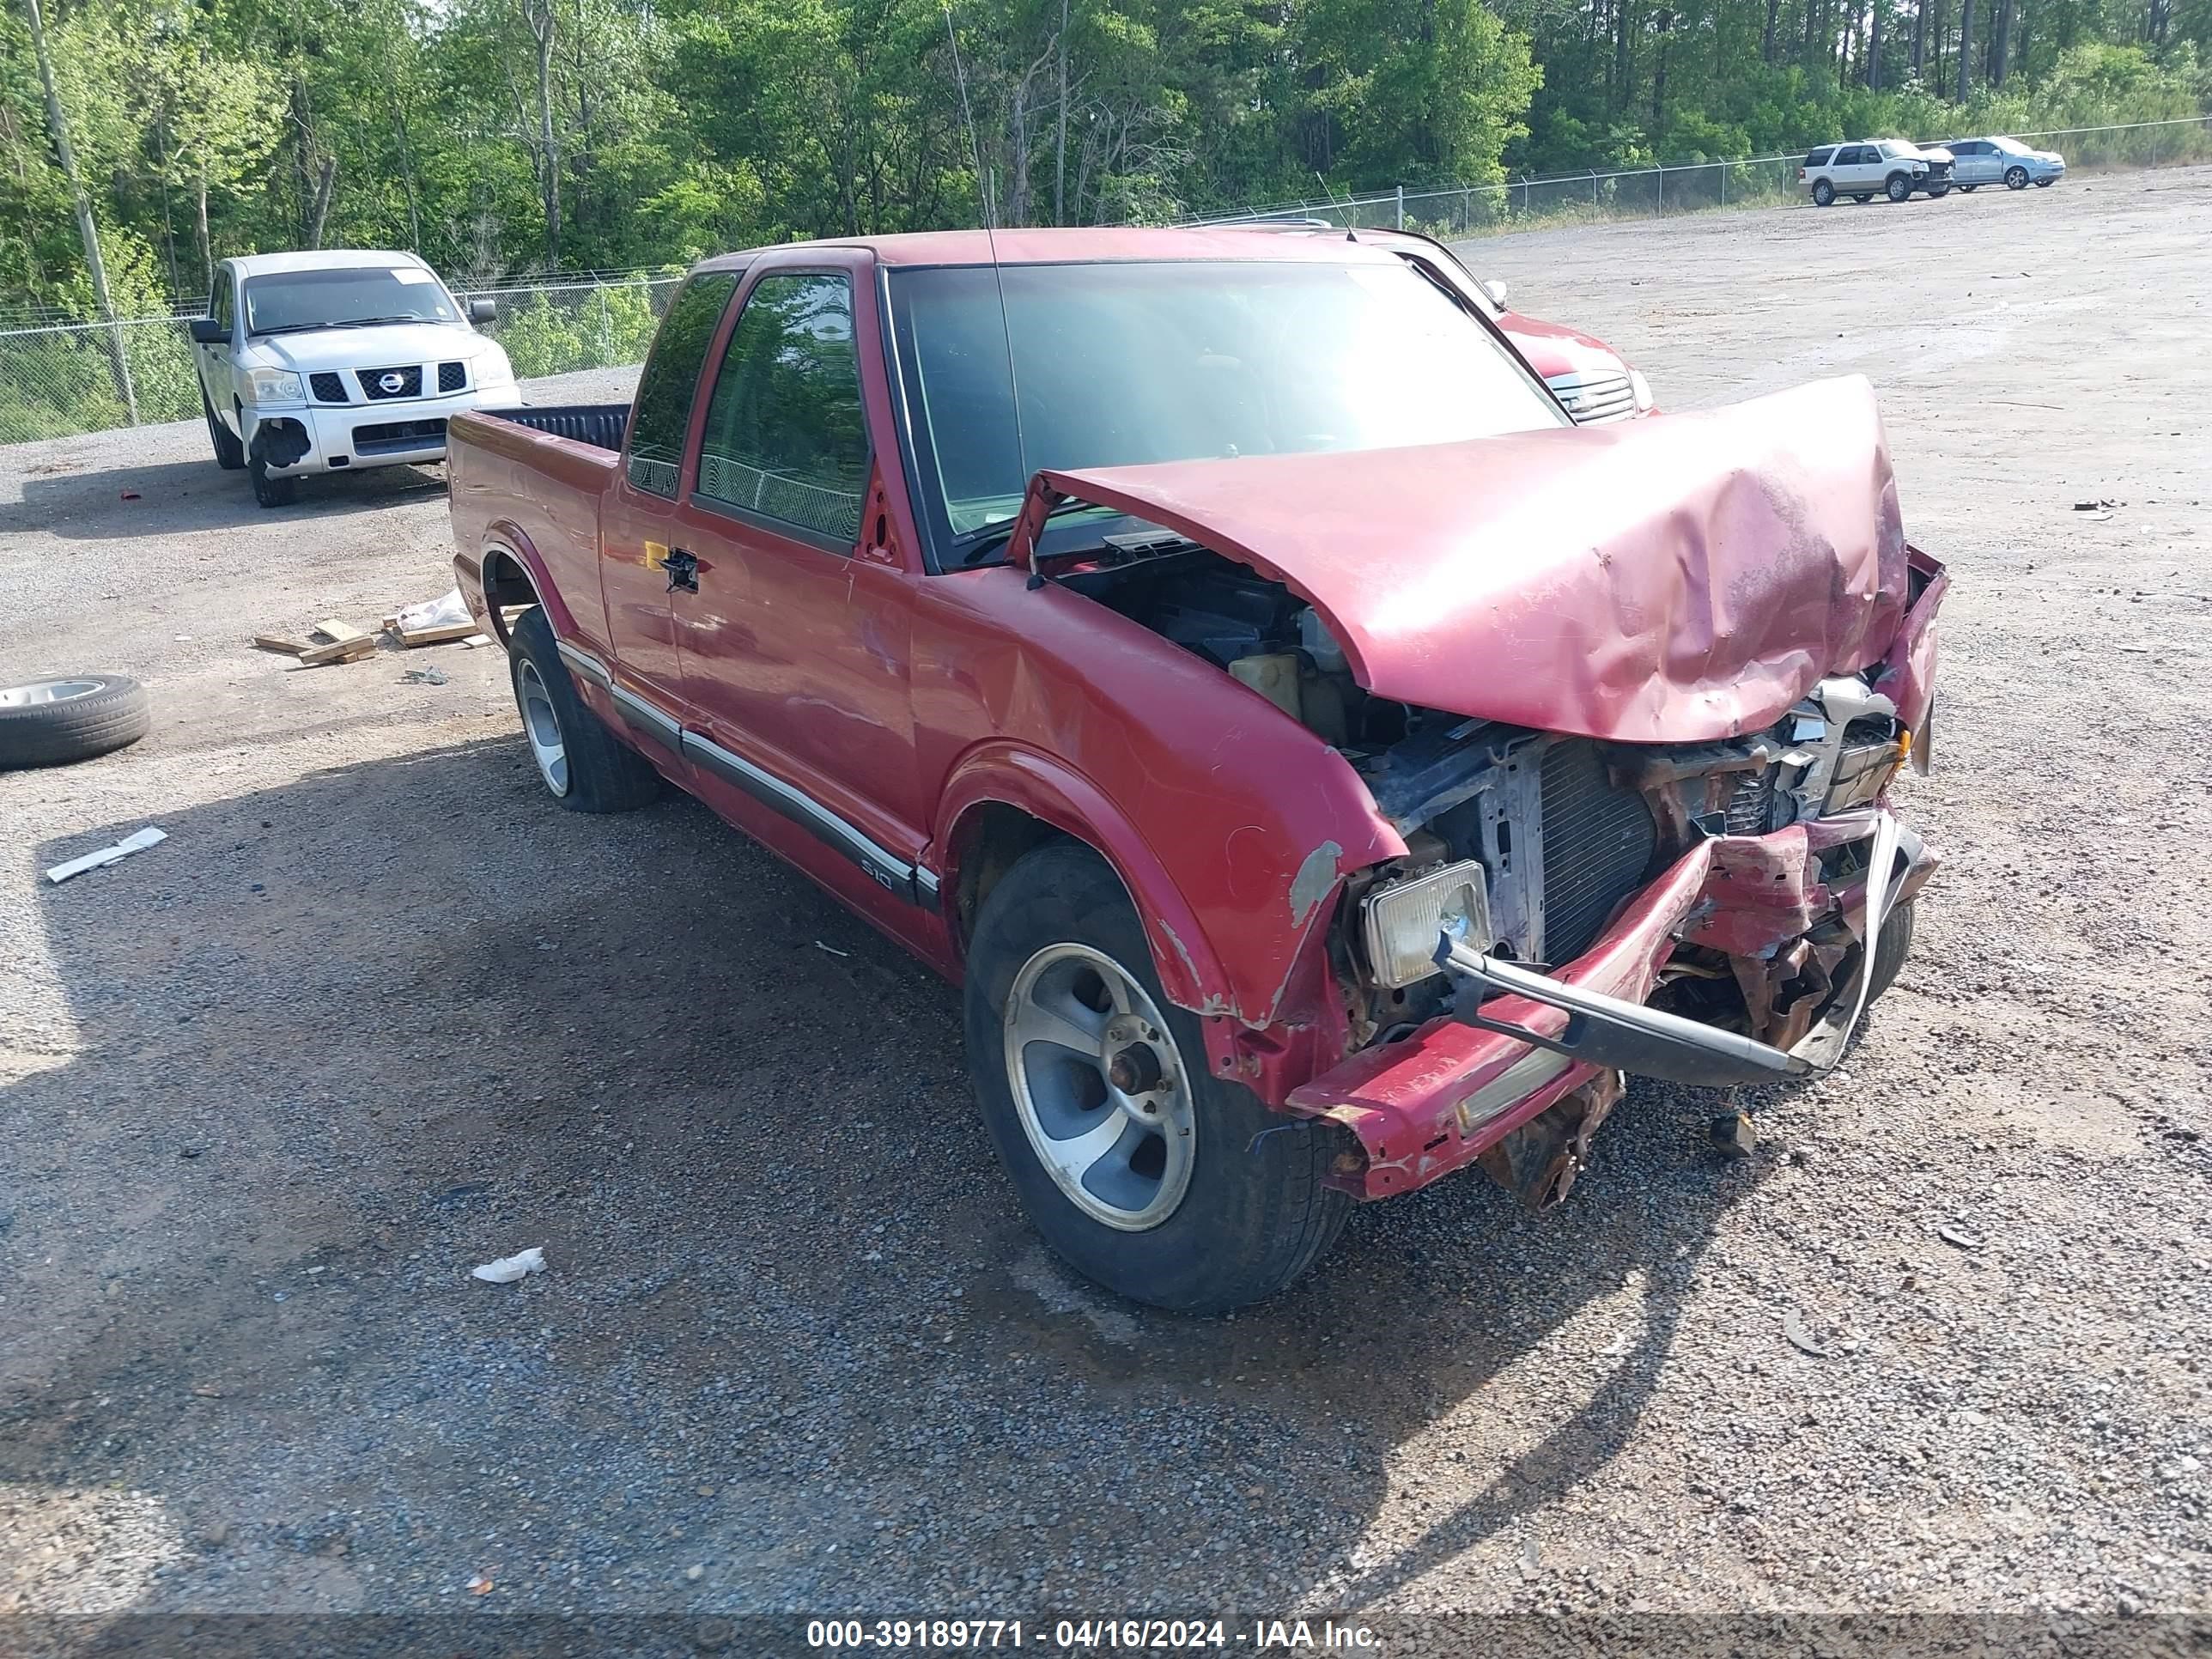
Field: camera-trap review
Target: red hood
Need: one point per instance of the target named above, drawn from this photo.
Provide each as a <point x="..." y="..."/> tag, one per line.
<point x="1674" y="580"/>
<point x="1553" y="348"/>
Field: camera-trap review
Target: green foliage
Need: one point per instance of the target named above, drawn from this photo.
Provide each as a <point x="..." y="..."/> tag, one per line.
<point x="647" y="133"/>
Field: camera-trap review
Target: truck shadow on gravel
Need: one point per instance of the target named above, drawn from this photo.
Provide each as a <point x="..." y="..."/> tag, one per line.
<point x="167" y="498"/>
<point x="341" y="1040"/>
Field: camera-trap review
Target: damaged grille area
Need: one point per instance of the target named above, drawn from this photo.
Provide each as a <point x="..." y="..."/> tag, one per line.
<point x="1599" y="841"/>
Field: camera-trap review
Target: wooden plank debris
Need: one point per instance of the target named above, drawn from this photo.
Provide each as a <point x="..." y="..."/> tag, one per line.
<point x="281" y="646"/>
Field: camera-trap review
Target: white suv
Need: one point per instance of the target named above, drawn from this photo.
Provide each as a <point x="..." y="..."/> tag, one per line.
<point x="1875" y="166"/>
<point x="314" y="362"/>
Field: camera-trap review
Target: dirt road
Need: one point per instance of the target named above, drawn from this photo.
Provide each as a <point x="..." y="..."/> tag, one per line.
<point x="376" y="1012"/>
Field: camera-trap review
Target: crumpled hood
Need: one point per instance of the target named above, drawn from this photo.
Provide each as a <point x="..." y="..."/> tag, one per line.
<point x="1675" y="579"/>
<point x="384" y="346"/>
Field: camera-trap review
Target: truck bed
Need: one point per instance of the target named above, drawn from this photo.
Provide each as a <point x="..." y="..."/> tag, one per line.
<point x="600" y="425"/>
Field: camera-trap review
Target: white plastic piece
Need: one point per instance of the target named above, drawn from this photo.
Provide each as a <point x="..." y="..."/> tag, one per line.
<point x="508" y="1269"/>
<point x="136" y="842"/>
<point x="449" y="611"/>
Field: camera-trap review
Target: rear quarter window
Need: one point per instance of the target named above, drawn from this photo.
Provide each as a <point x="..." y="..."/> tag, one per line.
<point x="1819" y="158"/>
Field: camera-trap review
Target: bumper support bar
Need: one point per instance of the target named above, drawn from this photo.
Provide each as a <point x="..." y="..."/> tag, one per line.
<point x="1627" y="1036"/>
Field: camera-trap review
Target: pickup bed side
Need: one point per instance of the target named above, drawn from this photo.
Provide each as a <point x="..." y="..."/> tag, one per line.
<point x="526" y="509"/>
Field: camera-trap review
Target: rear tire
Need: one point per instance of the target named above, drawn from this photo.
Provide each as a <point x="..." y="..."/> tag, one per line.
<point x="1205" y="1201"/>
<point x="1970" y="189"/>
<point x="2043" y="184"/>
<point x="2016" y="178"/>
<point x="229" y="453"/>
<point x="1938" y="192"/>
<point x="1899" y="187"/>
<point x="583" y="765"/>
<point x="68" y="718"/>
<point x="1824" y="193"/>
<point x="1863" y="200"/>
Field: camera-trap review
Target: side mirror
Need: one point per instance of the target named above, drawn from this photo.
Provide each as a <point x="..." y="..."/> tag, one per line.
<point x="1495" y="287"/>
<point x="482" y="310"/>
<point x="206" y="331"/>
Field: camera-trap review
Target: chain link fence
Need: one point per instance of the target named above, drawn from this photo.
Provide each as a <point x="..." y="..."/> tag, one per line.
<point x="1697" y="187"/>
<point x="56" y="379"/>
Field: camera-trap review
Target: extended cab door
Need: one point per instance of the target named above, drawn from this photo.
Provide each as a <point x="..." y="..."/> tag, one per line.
<point x="637" y="517"/>
<point x="796" y="642"/>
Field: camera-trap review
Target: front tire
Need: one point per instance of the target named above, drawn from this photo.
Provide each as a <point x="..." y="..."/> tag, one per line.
<point x="269" y="489"/>
<point x="229" y="453"/>
<point x="1140" y="1168"/>
<point x="2016" y="178"/>
<point x="583" y="765"/>
<point x="1824" y="193"/>
<point x="1898" y="188"/>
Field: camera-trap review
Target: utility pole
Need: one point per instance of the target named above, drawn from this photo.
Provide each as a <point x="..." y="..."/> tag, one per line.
<point x="58" y="123"/>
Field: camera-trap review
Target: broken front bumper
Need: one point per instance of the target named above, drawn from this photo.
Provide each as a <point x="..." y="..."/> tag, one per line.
<point x="1455" y="1089"/>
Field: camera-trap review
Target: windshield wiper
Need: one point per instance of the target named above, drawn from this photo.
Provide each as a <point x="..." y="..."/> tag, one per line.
<point x="978" y="544"/>
<point x="350" y="322"/>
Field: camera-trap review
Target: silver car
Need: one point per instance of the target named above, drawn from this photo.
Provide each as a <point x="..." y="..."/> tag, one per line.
<point x="1979" y="161"/>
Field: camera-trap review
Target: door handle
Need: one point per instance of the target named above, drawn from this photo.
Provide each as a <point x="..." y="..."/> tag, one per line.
<point x="683" y="570"/>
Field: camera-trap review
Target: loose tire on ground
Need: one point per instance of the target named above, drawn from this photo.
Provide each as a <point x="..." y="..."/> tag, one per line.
<point x="1243" y="1214"/>
<point x="1824" y="193"/>
<point x="1898" y="188"/>
<point x="72" y="717"/>
<point x="584" y="766"/>
<point x="229" y="453"/>
<point x="2016" y="178"/>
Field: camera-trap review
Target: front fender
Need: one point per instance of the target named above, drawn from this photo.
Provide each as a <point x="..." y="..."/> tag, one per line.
<point x="1008" y="774"/>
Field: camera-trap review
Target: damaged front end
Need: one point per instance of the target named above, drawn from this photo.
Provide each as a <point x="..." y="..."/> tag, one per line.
<point x="1709" y="914"/>
<point x="1630" y="700"/>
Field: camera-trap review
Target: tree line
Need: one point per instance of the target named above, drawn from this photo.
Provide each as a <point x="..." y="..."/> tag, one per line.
<point x="502" y="138"/>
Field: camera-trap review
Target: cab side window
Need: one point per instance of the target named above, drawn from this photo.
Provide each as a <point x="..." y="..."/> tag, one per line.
<point x="666" y="389"/>
<point x="220" y="303"/>
<point x="785" y="438"/>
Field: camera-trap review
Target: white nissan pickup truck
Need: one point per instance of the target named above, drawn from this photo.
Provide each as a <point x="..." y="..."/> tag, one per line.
<point x="336" y="361"/>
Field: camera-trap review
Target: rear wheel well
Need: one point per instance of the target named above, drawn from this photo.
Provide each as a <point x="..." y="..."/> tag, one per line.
<point x="988" y="840"/>
<point x="506" y="583"/>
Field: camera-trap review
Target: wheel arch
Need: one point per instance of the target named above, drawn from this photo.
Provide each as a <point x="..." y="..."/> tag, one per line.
<point x="510" y="572"/>
<point x="1003" y="800"/>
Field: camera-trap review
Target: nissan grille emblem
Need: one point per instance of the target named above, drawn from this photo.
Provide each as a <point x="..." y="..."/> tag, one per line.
<point x="390" y="380"/>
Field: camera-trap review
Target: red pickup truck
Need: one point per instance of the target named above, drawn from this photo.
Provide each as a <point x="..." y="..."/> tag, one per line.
<point x="1323" y="765"/>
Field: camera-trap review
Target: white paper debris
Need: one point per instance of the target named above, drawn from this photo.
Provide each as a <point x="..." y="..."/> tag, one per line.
<point x="450" y="611"/>
<point x="138" y="843"/>
<point x="508" y="1269"/>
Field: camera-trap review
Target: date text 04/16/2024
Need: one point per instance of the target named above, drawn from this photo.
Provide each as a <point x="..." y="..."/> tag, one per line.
<point x="1088" y="1635"/>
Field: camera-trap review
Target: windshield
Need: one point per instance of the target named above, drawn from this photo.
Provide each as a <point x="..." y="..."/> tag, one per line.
<point x="1121" y="364"/>
<point x="2011" y="146"/>
<point x="286" y="300"/>
<point x="1895" y="150"/>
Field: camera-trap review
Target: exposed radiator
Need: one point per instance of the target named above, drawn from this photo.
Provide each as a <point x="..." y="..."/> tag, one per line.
<point x="1598" y="844"/>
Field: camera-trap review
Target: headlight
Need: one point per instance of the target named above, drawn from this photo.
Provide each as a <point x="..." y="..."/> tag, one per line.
<point x="273" y="385"/>
<point x="1642" y="388"/>
<point x="493" y="369"/>
<point x="1403" y="920"/>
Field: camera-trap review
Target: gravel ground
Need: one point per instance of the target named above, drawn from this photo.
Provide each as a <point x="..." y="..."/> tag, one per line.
<point x="376" y="1012"/>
